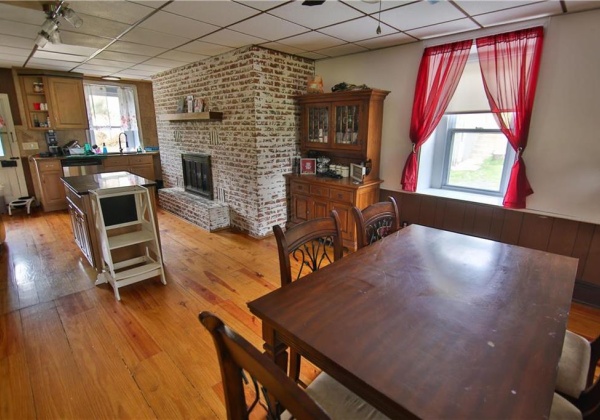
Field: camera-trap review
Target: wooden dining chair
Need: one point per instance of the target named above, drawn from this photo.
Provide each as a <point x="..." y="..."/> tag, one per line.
<point x="311" y="244"/>
<point x="324" y="397"/>
<point x="376" y="221"/>
<point x="575" y="376"/>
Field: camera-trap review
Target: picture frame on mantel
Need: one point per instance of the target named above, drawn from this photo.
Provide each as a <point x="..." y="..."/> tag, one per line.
<point x="308" y="166"/>
<point x="180" y="105"/>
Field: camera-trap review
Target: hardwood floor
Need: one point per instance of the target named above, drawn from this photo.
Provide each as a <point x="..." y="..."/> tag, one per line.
<point x="68" y="349"/>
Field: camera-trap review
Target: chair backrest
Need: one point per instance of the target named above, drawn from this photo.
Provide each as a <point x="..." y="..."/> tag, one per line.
<point x="235" y="354"/>
<point x="310" y="244"/>
<point x="376" y="221"/>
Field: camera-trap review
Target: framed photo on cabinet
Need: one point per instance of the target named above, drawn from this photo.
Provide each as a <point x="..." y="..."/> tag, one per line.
<point x="308" y="166"/>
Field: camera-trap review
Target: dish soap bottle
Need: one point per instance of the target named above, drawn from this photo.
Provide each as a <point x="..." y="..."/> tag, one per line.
<point x="104" y="149"/>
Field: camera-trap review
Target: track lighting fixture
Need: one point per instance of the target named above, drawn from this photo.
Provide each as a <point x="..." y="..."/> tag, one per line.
<point x="49" y="31"/>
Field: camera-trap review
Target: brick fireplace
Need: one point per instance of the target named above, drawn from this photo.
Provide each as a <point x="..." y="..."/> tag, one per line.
<point x="251" y="148"/>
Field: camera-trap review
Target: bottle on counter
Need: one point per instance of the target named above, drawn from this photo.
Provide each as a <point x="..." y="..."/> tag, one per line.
<point x="104" y="149"/>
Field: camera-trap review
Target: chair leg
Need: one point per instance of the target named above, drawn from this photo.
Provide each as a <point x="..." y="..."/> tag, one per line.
<point x="294" y="365"/>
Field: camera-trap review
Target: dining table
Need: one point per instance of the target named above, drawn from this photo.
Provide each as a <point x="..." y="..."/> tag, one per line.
<point x="428" y="323"/>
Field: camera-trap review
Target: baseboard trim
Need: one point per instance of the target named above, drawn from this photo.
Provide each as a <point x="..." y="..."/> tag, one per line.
<point x="587" y="293"/>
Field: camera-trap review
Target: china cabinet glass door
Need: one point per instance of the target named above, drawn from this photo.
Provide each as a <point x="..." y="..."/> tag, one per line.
<point x="347" y="126"/>
<point x="318" y="125"/>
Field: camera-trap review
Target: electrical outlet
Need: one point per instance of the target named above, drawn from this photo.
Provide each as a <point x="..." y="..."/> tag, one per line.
<point x="30" y="146"/>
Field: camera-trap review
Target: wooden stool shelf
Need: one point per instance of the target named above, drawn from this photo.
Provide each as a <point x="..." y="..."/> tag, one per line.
<point x="129" y="241"/>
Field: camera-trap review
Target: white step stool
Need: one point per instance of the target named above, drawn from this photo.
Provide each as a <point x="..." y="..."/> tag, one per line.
<point x="19" y="203"/>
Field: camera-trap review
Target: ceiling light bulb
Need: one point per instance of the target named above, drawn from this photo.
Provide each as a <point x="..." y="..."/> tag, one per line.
<point x="378" y="31"/>
<point x="41" y="40"/>
<point x="72" y="17"/>
<point x="49" y="26"/>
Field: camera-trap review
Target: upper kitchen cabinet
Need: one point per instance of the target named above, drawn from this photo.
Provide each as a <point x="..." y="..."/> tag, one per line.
<point x="53" y="102"/>
<point x="345" y="126"/>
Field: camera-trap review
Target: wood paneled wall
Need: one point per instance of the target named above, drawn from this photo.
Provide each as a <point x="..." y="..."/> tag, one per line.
<point x="7" y="85"/>
<point x="546" y="233"/>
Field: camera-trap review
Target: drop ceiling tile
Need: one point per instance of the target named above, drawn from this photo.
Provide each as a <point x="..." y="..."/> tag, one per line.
<point x="49" y="55"/>
<point x="109" y="63"/>
<point x="7" y="62"/>
<point x="137" y="73"/>
<point x="161" y="62"/>
<point x="312" y="55"/>
<point x="155" y="4"/>
<point x="373" y="6"/>
<point x="580" y="5"/>
<point x="447" y="28"/>
<point x="282" y="47"/>
<point x="221" y="13"/>
<point x="50" y="64"/>
<point x="517" y="14"/>
<point x="204" y="48"/>
<point x="182" y="57"/>
<point x="359" y="29"/>
<point x="342" y="50"/>
<point x="93" y="25"/>
<point x="118" y="56"/>
<point x="154" y="69"/>
<point x="70" y="49"/>
<point x="177" y="25"/>
<point x="416" y="15"/>
<point x="314" y="17"/>
<point x="17" y="58"/>
<point x="153" y="38"/>
<point x="312" y="41"/>
<point x="72" y="38"/>
<point x="125" y="75"/>
<point x="120" y="11"/>
<point x="16" y="41"/>
<point x="19" y="52"/>
<point x="268" y="27"/>
<point x="232" y="38"/>
<point x="134" y="48"/>
<point x="480" y="7"/>
<point x="98" y="69"/>
<point x="386" y="41"/>
<point x="22" y="14"/>
<point x="262" y="4"/>
<point x="24" y="30"/>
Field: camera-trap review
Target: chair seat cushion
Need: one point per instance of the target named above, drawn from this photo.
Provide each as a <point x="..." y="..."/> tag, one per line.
<point x="339" y="402"/>
<point x="563" y="409"/>
<point x="574" y="365"/>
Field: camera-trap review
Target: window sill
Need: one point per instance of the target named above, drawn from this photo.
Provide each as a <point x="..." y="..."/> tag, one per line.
<point x="459" y="195"/>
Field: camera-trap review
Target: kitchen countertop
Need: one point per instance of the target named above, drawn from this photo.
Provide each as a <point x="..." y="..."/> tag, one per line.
<point x="81" y="185"/>
<point x="99" y="155"/>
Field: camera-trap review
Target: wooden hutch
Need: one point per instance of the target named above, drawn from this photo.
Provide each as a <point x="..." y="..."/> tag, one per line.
<point x="345" y="127"/>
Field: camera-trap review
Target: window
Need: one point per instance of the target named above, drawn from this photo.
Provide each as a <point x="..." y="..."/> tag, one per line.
<point x="467" y="153"/>
<point x="112" y="115"/>
<point x="475" y="157"/>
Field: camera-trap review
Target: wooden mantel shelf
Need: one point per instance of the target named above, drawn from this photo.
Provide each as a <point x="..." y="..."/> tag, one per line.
<point x="193" y="116"/>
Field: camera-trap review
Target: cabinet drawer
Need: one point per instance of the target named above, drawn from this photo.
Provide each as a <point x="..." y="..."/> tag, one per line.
<point x="319" y="191"/>
<point x="341" y="195"/>
<point x="140" y="160"/>
<point x="299" y="188"/>
<point x="116" y="161"/>
<point x="49" y="165"/>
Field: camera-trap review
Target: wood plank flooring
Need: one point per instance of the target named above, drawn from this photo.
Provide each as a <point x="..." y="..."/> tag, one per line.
<point x="69" y="350"/>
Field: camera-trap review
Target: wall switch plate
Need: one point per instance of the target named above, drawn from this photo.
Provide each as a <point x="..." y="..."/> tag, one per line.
<point x="30" y="146"/>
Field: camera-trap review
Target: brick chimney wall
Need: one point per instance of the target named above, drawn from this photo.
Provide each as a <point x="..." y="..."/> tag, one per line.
<point x="259" y="134"/>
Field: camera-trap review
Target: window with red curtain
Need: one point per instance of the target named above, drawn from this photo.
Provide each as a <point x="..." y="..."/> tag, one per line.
<point x="509" y="66"/>
<point x="439" y="72"/>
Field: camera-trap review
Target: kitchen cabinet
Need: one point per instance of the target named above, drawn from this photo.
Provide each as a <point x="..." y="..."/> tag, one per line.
<point x="344" y="126"/>
<point x="313" y="197"/>
<point x="80" y="225"/>
<point x="140" y="165"/>
<point x="53" y="102"/>
<point x="51" y="191"/>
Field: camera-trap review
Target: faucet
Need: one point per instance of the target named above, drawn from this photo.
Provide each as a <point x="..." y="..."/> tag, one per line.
<point x="126" y="144"/>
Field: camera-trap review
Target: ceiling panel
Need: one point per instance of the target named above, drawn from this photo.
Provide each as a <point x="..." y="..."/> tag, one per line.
<point x="153" y="38"/>
<point x="518" y="14"/>
<point x="342" y="50"/>
<point x="312" y="41"/>
<point x="232" y="38"/>
<point x="269" y="27"/>
<point x="220" y="13"/>
<point x="204" y="48"/>
<point x="178" y="25"/>
<point x="372" y="6"/>
<point x="447" y="28"/>
<point x="119" y="56"/>
<point x="109" y="63"/>
<point x="479" y="7"/>
<point x="8" y="27"/>
<point x="22" y="14"/>
<point x="315" y="17"/>
<point x="134" y="48"/>
<point x="15" y="41"/>
<point x="277" y="46"/>
<point x="386" y="41"/>
<point x="356" y="30"/>
<point x="93" y="25"/>
<point x="417" y="15"/>
<point x="182" y="57"/>
<point x="119" y="11"/>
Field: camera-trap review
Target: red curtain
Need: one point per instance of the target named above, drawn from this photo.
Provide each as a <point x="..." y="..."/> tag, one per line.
<point x="439" y="73"/>
<point x="509" y="66"/>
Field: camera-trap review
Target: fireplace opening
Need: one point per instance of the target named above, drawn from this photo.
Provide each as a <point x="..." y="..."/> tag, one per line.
<point x="197" y="174"/>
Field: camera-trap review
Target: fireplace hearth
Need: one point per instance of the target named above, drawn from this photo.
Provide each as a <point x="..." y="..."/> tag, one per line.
<point x="197" y="174"/>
